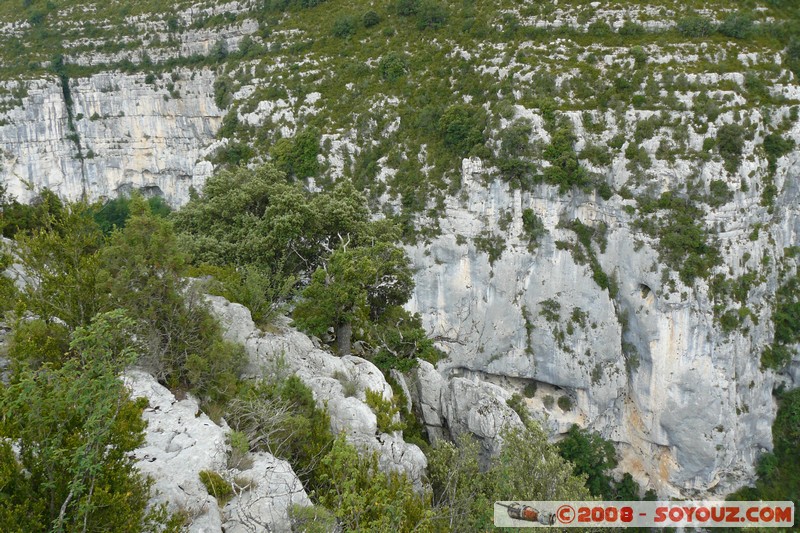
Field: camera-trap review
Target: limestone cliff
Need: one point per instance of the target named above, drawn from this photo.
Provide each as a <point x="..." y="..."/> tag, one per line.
<point x="594" y="310"/>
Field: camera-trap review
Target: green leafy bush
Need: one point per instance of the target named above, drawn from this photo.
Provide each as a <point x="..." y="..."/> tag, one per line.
<point x="465" y="486"/>
<point x="461" y="127"/>
<point x="737" y="26"/>
<point x="393" y="66"/>
<point x="430" y="15"/>
<point x="696" y="26"/>
<point x="74" y="425"/>
<point x="565" y="403"/>
<point x="533" y="227"/>
<point x="370" y="19"/>
<point x="730" y="143"/>
<point x="344" y="26"/>
<point x="217" y="486"/>
<point x="351" y="483"/>
<point x="565" y="169"/>
<point x="385" y="410"/>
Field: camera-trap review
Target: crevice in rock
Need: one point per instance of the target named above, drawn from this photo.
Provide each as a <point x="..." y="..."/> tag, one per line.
<point x="60" y="69"/>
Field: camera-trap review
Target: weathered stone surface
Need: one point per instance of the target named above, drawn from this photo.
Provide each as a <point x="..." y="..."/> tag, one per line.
<point x="181" y="441"/>
<point x="131" y="136"/>
<point x="340" y="383"/>
<point x="262" y="504"/>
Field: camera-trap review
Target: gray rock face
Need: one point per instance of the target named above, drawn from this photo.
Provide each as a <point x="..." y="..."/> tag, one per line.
<point x="689" y="407"/>
<point x="181" y="441"/>
<point x="133" y="135"/>
<point x="262" y="504"/>
<point x="340" y="383"/>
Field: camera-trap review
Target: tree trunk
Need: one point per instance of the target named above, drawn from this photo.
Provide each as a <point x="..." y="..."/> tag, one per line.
<point x="344" y="334"/>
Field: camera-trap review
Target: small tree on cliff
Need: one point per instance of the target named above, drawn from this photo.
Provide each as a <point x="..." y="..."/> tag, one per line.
<point x="354" y="287"/>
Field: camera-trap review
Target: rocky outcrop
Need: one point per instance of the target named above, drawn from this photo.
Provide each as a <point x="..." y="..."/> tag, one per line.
<point x="128" y="134"/>
<point x="181" y="441"/>
<point x="339" y="384"/>
<point x="691" y="409"/>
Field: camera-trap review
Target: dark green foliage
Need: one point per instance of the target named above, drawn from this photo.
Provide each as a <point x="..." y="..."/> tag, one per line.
<point x="297" y="157"/>
<point x="399" y="339"/>
<point x="533" y="227"/>
<point x="565" y="403"/>
<point x="393" y="66"/>
<point x="599" y="28"/>
<point x="596" y="154"/>
<point x="407" y="8"/>
<point x="517" y="403"/>
<point x="370" y="19"/>
<point x="223" y="92"/>
<point x="234" y="154"/>
<point x="74" y="426"/>
<point x="143" y="272"/>
<point x="527" y="464"/>
<point x="114" y="213"/>
<point x="44" y="211"/>
<point x="730" y="142"/>
<point x="430" y="15"/>
<point x="590" y="455"/>
<point x="461" y="127"/>
<point x="719" y="193"/>
<point x="786" y="319"/>
<point x="565" y="170"/>
<point x="779" y="471"/>
<point x="696" y="26"/>
<point x="631" y="29"/>
<point x="344" y="26"/>
<point x="684" y="244"/>
<point x="354" y="288"/>
<point x="777" y="146"/>
<point x="737" y="26"/>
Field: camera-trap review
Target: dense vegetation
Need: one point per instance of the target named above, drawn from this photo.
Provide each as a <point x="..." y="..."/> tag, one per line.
<point x="268" y="233"/>
<point x="779" y="471"/>
<point x="98" y="302"/>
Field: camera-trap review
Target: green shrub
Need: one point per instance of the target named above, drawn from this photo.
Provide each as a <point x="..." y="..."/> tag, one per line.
<point x="730" y="142"/>
<point x="565" y="403"/>
<point x="596" y="154"/>
<point x="344" y="26"/>
<point x="565" y="169"/>
<point x="370" y="19"/>
<point x="599" y="28"/>
<point x="393" y="66"/>
<point x="696" y="26"/>
<point x="719" y="193"/>
<point x="216" y="486"/>
<point x="737" y="26"/>
<point x="385" y="410"/>
<point x="461" y="127"/>
<point x="548" y="401"/>
<point x="431" y="15"/>
<point x="590" y="455"/>
<point x="352" y="483"/>
<point x="631" y="29"/>
<point x="407" y="8"/>
<point x="533" y="226"/>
